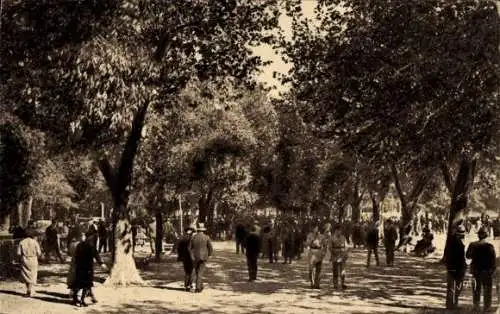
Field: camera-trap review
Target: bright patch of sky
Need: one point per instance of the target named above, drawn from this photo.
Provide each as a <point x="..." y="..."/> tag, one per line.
<point x="267" y="52"/>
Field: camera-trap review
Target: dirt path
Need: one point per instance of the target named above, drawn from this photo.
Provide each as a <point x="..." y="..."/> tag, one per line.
<point x="414" y="285"/>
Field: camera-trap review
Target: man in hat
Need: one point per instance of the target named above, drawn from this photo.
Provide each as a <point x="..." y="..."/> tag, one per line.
<point x="200" y="250"/>
<point x="483" y="267"/>
<point x="372" y="241"/>
<point x="456" y="267"/>
<point x="52" y="242"/>
<point x="339" y="256"/>
<point x="317" y="250"/>
<point x="184" y="256"/>
<point x="390" y="237"/>
<point x="253" y="245"/>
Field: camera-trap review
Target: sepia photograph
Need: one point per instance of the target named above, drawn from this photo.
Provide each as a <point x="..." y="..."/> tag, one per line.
<point x="249" y="156"/>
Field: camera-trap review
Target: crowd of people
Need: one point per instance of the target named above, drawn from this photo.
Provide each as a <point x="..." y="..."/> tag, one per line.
<point x="334" y="242"/>
<point x="320" y="240"/>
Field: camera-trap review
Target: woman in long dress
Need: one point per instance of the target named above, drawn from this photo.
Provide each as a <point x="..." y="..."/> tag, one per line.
<point x="29" y="251"/>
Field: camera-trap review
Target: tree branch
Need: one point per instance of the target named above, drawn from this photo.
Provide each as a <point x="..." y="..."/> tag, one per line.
<point x="447" y="177"/>
<point x="399" y="189"/>
<point x="163" y="43"/>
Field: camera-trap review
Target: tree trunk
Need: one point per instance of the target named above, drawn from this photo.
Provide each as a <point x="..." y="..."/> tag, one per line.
<point x="203" y="206"/>
<point x="408" y="205"/>
<point x="159" y="235"/>
<point x="460" y="196"/>
<point x="123" y="271"/>
<point x="20" y="220"/>
<point x="27" y="210"/>
<point x="356" y="211"/>
<point x="375" y="208"/>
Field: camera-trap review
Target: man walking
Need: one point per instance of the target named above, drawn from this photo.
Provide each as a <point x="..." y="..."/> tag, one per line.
<point x="372" y="241"/>
<point x="103" y="237"/>
<point x="253" y="245"/>
<point x="390" y="237"/>
<point x="200" y="249"/>
<point x="456" y="267"/>
<point x="52" y="243"/>
<point x="184" y="256"/>
<point x="483" y="266"/>
<point x="339" y="257"/>
<point x="317" y="252"/>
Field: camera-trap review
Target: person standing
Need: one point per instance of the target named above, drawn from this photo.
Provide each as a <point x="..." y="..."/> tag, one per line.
<point x="134" y="235"/>
<point x="152" y="236"/>
<point x="372" y="241"/>
<point x="103" y="237"/>
<point x="315" y="245"/>
<point x="253" y="246"/>
<point x="51" y="244"/>
<point x="29" y="251"/>
<point x="93" y="233"/>
<point x="390" y="238"/>
<point x="200" y="249"/>
<point x="184" y="256"/>
<point x="456" y="267"/>
<point x="240" y="235"/>
<point x="483" y="267"/>
<point x="84" y="256"/>
<point x="339" y="257"/>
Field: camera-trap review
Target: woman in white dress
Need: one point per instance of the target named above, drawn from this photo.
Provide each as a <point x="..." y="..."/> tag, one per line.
<point x="29" y="251"/>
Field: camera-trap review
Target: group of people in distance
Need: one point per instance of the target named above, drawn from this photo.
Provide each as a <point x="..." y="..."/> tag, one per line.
<point x="482" y="255"/>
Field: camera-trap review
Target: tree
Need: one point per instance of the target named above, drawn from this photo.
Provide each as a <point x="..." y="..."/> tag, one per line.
<point x="106" y="64"/>
<point x="18" y="165"/>
<point x="210" y="142"/>
<point x="397" y="81"/>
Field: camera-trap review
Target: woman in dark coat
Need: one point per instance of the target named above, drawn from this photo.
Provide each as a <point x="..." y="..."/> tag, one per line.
<point x="83" y="279"/>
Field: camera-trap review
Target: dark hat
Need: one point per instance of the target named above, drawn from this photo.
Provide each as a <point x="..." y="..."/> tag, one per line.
<point x="426" y="229"/>
<point x="482" y="232"/>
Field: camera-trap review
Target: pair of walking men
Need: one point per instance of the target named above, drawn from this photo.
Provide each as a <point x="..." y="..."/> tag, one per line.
<point x="194" y="250"/>
<point x="319" y="245"/>
<point x="483" y="265"/>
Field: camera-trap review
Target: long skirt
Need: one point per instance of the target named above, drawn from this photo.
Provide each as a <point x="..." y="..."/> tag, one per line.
<point x="29" y="269"/>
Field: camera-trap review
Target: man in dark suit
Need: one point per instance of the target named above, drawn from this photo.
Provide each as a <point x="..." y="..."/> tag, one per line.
<point x="456" y="267"/>
<point x="390" y="237"/>
<point x="200" y="249"/>
<point x="372" y="240"/>
<point x="483" y="267"/>
<point x="184" y="256"/>
<point x="253" y="245"/>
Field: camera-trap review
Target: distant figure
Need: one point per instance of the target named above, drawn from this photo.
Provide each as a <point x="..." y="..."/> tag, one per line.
<point x="134" y="236"/>
<point x="184" y="256"/>
<point x="317" y="250"/>
<point x="339" y="257"/>
<point x="93" y="233"/>
<point x="29" y="251"/>
<point x="152" y="235"/>
<point x="200" y="249"/>
<point x="483" y="266"/>
<point x="18" y="232"/>
<point x="253" y="245"/>
<point x="372" y="241"/>
<point x="84" y="256"/>
<point x="456" y="267"/>
<point x="425" y="245"/>
<point x="51" y="242"/>
<point x="240" y="236"/>
<point x="103" y="237"/>
<point x="390" y="238"/>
